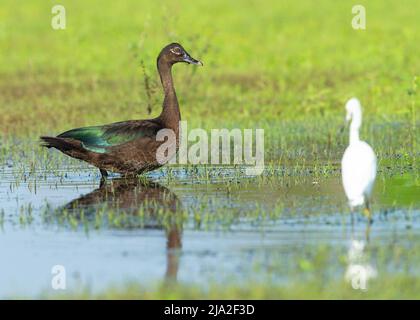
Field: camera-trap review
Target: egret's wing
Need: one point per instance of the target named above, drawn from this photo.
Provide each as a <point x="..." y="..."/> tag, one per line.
<point x="358" y="170"/>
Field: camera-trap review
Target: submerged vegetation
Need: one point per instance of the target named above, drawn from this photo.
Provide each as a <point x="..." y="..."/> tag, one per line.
<point x="287" y="67"/>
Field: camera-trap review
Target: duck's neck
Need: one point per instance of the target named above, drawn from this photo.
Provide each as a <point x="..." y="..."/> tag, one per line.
<point x="355" y="126"/>
<point x="170" y="115"/>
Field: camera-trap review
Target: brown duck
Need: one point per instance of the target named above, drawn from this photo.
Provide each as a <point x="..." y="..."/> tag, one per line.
<point x="129" y="147"/>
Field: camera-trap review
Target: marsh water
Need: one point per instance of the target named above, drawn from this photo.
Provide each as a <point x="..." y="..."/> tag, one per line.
<point x="192" y="228"/>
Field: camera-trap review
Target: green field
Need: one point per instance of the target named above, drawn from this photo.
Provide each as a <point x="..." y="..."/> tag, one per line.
<point x="273" y="61"/>
<point x="285" y="66"/>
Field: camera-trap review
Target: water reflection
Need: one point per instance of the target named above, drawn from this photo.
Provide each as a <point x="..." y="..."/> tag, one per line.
<point x="359" y="269"/>
<point x="127" y="196"/>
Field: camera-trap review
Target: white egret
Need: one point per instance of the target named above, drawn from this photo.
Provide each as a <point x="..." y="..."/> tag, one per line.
<point x="358" y="166"/>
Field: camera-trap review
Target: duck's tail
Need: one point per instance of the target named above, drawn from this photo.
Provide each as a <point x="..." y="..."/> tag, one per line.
<point x="71" y="147"/>
<point x="58" y="143"/>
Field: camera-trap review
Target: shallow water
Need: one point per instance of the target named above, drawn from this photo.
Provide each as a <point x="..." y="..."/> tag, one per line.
<point x="194" y="230"/>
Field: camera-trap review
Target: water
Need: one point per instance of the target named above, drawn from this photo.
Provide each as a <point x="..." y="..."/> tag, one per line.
<point x="223" y="229"/>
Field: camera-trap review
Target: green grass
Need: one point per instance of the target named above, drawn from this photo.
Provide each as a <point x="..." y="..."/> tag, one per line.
<point x="285" y="67"/>
<point x="264" y="63"/>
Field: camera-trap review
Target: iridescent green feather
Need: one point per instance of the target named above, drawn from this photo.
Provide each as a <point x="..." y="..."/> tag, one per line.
<point x="99" y="138"/>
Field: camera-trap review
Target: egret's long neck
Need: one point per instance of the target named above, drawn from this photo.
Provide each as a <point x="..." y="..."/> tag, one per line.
<point x="355" y="126"/>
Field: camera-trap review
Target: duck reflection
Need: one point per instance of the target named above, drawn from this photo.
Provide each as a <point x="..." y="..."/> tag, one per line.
<point x="130" y="195"/>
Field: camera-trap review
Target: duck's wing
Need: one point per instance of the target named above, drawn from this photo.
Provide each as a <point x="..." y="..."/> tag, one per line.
<point x="99" y="138"/>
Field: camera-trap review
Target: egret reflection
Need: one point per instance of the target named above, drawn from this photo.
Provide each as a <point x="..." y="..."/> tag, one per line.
<point x="359" y="269"/>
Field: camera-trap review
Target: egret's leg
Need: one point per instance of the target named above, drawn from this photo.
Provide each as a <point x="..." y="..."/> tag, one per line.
<point x="352" y="221"/>
<point x="367" y="211"/>
<point x="367" y="232"/>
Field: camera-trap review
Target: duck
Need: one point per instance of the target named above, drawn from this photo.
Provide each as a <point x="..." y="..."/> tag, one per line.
<point x="130" y="147"/>
<point x="359" y="162"/>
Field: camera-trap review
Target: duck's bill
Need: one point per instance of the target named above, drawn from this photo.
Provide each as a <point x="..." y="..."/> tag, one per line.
<point x="191" y="60"/>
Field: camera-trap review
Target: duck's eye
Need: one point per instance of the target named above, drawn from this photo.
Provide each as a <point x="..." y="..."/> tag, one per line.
<point x="176" y="50"/>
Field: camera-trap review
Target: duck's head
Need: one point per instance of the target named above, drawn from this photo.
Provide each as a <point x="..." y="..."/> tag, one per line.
<point x="174" y="53"/>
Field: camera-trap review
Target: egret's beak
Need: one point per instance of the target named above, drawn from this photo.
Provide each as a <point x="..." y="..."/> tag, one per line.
<point x="344" y="125"/>
<point x="191" y="60"/>
<point x="348" y="117"/>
